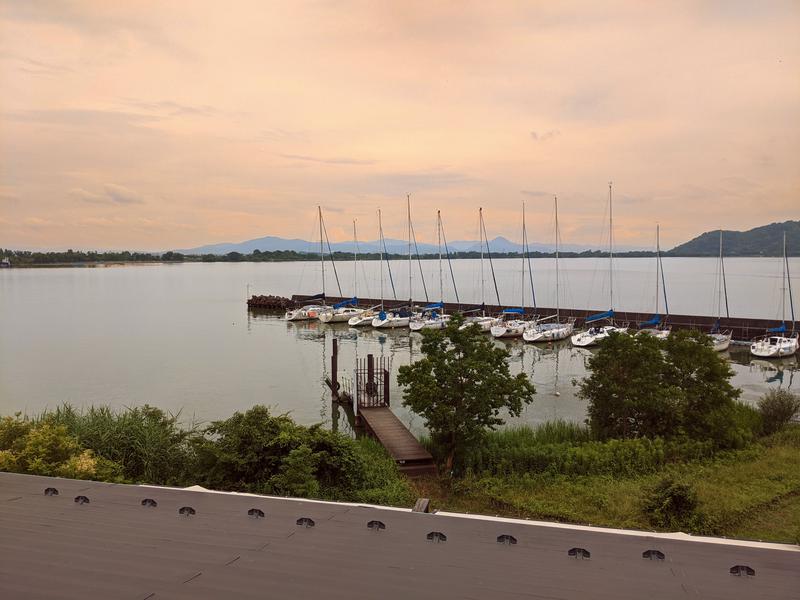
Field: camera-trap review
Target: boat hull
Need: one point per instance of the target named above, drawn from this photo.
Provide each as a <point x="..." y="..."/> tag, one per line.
<point x="509" y="329"/>
<point x="594" y="336"/>
<point x="774" y="347"/>
<point x="552" y="332"/>
<point x="339" y="315"/>
<point x="390" y="322"/>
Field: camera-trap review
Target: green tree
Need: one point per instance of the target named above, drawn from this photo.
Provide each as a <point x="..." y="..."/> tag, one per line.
<point x="461" y="388"/>
<point x="644" y="387"/>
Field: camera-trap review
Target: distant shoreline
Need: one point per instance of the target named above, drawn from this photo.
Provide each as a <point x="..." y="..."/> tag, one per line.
<point x="103" y="264"/>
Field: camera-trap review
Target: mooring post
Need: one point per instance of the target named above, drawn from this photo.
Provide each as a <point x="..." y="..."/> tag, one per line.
<point x="386" y="386"/>
<point x="335" y="367"/>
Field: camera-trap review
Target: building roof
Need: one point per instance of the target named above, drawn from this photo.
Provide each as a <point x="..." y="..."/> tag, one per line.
<point x="97" y="540"/>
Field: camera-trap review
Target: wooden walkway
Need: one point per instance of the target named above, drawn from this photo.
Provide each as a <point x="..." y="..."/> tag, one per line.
<point x="411" y="457"/>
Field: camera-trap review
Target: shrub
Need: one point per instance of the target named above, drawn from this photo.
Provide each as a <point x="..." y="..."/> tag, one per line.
<point x="150" y="444"/>
<point x="778" y="407"/>
<point x="257" y="452"/>
<point x="671" y="504"/>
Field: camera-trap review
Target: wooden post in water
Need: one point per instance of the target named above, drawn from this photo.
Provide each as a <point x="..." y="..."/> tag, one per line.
<point x="335" y="368"/>
<point x="386" y="386"/>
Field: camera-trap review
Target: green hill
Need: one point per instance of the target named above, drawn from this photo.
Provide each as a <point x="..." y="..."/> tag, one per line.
<point x="766" y="240"/>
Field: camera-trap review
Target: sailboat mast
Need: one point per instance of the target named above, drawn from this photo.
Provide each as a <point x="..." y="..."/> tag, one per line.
<point x="439" y="231"/>
<point x="380" y="243"/>
<point x="321" y="251"/>
<point x="658" y="264"/>
<point x="410" y="294"/>
<point x="610" y="249"/>
<point x="480" y="234"/>
<point x="788" y="279"/>
<point x="558" y="306"/>
<point x="783" y="281"/>
<point x="523" y="258"/>
<point x="355" y="261"/>
<point x="724" y="281"/>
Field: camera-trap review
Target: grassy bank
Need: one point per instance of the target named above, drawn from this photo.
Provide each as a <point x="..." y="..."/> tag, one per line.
<point x="752" y="493"/>
<point x="254" y="451"/>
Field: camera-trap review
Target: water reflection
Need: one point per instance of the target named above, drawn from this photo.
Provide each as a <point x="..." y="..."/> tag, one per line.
<point x="553" y="368"/>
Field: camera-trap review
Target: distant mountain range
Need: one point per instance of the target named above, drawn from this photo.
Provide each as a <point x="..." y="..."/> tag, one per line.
<point x="766" y="240"/>
<point x="393" y="246"/>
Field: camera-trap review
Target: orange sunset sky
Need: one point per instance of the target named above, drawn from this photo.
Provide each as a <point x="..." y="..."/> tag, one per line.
<point x="157" y="125"/>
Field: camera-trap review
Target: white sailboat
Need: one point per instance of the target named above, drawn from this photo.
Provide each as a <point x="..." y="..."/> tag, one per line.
<point x="779" y="341"/>
<point x="512" y="322"/>
<point x="312" y="311"/>
<point x="483" y="321"/>
<point x="721" y="340"/>
<point x="401" y="317"/>
<point x="365" y="319"/>
<point x="596" y="333"/>
<point x="542" y="331"/>
<point x="656" y="326"/>
<point x="347" y="309"/>
<point x="433" y="316"/>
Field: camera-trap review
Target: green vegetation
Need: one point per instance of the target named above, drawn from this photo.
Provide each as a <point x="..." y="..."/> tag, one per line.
<point x="777" y="408"/>
<point x="253" y="451"/>
<point x="460" y="388"/>
<point x="641" y="386"/>
<point x="766" y="240"/>
<point x="667" y="446"/>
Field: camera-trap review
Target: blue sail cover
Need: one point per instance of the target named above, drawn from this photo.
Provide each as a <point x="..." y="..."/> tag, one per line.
<point x="433" y="306"/>
<point x="382" y="315"/>
<point x="715" y="328"/>
<point x="513" y="311"/>
<point x="599" y="316"/>
<point x="780" y="329"/>
<point x="654" y="320"/>
<point x="343" y="303"/>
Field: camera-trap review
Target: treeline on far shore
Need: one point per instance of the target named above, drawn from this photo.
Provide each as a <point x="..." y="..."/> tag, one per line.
<point x="25" y="258"/>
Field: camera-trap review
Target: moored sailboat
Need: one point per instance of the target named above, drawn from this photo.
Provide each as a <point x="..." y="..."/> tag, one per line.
<point x="347" y="309"/>
<point x="779" y="341"/>
<point x="512" y="322"/>
<point x="542" y="331"/>
<point x="483" y="321"/>
<point x="656" y="326"/>
<point x="597" y="333"/>
<point x="721" y="340"/>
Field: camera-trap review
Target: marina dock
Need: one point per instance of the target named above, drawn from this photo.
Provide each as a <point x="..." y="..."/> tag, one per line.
<point x="743" y="329"/>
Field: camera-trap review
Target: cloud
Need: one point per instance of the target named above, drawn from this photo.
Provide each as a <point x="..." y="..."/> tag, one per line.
<point x="545" y="135"/>
<point x="111" y="194"/>
<point x="82" y="118"/>
<point x="328" y="161"/>
<point x="172" y="108"/>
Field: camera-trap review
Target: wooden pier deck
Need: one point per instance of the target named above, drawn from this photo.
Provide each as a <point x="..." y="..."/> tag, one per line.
<point x="402" y="446"/>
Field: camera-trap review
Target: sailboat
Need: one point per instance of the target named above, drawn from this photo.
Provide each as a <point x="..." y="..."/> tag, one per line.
<point x="312" y="311"/>
<point x="721" y="340"/>
<point x="483" y="321"/>
<point x="656" y="326"/>
<point x="512" y="322"/>
<point x="433" y="316"/>
<point x="779" y="342"/>
<point x="346" y="309"/>
<point x="597" y="333"/>
<point x="366" y="317"/>
<point x="400" y="317"/>
<point x="557" y="330"/>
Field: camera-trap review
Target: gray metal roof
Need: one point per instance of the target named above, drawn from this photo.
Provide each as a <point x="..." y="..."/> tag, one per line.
<point x="115" y="547"/>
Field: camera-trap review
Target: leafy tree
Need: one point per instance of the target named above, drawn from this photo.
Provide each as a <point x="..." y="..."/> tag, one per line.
<point x="461" y="387"/>
<point x="777" y="408"/>
<point x="642" y="386"/>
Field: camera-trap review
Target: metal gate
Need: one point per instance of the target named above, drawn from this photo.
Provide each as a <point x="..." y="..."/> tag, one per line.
<point x="372" y="382"/>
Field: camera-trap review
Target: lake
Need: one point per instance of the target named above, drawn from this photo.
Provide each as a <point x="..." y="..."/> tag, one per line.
<point x="180" y="337"/>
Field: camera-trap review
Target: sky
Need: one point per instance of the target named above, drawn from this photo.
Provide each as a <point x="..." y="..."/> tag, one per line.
<point x="158" y="125"/>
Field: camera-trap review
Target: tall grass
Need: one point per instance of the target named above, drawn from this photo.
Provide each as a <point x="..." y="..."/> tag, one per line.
<point x="149" y="443"/>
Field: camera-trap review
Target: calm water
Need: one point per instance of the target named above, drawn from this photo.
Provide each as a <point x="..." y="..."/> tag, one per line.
<point x="180" y="336"/>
